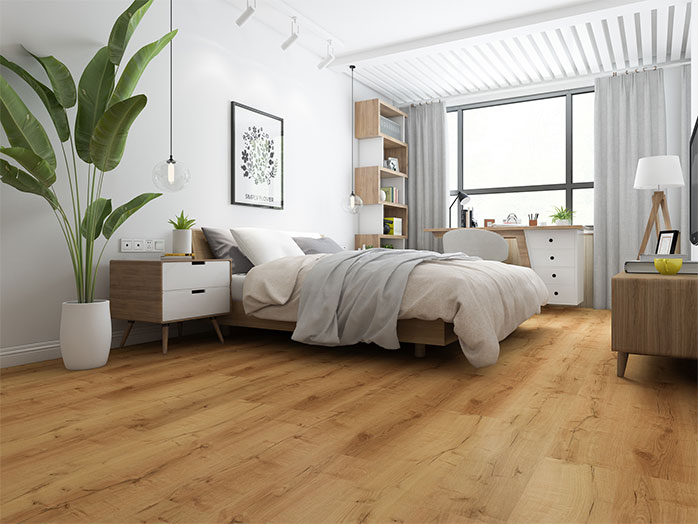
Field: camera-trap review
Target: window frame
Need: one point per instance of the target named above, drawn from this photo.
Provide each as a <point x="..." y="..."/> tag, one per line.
<point x="568" y="185"/>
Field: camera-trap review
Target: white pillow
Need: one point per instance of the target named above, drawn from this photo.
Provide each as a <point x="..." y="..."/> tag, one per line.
<point x="265" y="245"/>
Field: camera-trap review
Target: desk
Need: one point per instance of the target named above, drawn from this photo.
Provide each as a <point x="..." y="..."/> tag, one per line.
<point x="654" y="314"/>
<point x="555" y="253"/>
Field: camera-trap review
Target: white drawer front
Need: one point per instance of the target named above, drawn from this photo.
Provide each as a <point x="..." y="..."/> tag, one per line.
<point x="194" y="275"/>
<point x="552" y="257"/>
<point x="563" y="295"/>
<point x="189" y="303"/>
<point x="551" y="239"/>
<point x="560" y="276"/>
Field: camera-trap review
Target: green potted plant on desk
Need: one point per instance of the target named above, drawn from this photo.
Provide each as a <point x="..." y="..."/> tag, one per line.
<point x="106" y="109"/>
<point x="562" y="216"/>
<point x="181" y="234"/>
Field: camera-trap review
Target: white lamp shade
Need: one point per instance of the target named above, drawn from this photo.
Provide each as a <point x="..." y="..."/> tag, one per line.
<point x="655" y="171"/>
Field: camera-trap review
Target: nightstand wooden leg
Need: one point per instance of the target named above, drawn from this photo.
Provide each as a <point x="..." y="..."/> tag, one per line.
<point x="180" y="328"/>
<point x="420" y="350"/>
<point x="127" y="332"/>
<point x="622" y="362"/>
<point x="218" y="329"/>
<point x="165" y="336"/>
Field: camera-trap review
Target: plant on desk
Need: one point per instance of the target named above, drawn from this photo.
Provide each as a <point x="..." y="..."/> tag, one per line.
<point x="106" y="110"/>
<point x="562" y="216"/>
<point x="181" y="236"/>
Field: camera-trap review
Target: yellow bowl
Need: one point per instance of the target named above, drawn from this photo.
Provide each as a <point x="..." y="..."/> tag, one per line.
<point x="668" y="266"/>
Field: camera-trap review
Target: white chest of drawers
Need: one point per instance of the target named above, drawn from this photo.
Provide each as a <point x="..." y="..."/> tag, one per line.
<point x="558" y="258"/>
<point x="167" y="292"/>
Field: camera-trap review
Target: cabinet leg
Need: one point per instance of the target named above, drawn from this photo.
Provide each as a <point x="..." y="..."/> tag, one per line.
<point x="420" y="350"/>
<point x="218" y="329"/>
<point x="622" y="362"/>
<point x="127" y="332"/>
<point x="165" y="336"/>
<point x="180" y="328"/>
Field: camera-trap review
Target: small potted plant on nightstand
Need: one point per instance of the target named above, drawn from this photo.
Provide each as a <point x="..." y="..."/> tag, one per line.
<point x="181" y="235"/>
<point x="562" y="216"/>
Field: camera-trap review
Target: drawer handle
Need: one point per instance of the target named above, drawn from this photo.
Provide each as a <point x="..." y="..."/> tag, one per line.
<point x="554" y="275"/>
<point x="197" y="291"/>
<point x="550" y="240"/>
<point x="198" y="263"/>
<point x="552" y="257"/>
<point x="555" y="293"/>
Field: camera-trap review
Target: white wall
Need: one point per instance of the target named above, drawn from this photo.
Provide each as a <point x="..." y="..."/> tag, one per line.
<point x="694" y="105"/>
<point x="215" y="62"/>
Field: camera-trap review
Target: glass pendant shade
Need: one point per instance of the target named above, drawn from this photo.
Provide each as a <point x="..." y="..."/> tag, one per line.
<point x="352" y="203"/>
<point x="170" y="175"/>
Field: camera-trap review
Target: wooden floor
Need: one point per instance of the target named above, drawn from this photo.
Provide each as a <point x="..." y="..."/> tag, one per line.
<point x="267" y="430"/>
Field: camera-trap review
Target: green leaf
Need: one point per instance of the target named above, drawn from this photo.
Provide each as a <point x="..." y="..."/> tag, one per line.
<point x="60" y="78"/>
<point x="37" y="166"/>
<point x="15" y="177"/>
<point x="136" y="66"/>
<point x="109" y="137"/>
<point x="94" y="89"/>
<point x="121" y="213"/>
<point x="95" y="214"/>
<point x="21" y="127"/>
<point x="55" y="110"/>
<point x="124" y="27"/>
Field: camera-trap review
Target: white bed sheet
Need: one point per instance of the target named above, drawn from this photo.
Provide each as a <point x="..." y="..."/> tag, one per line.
<point x="236" y="282"/>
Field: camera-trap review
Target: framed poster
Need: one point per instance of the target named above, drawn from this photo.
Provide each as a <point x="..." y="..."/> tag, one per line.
<point x="257" y="158"/>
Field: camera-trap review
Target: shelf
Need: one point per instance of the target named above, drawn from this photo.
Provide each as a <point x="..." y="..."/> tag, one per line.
<point x="394" y="204"/>
<point x="398" y="237"/>
<point x="392" y="143"/>
<point x="390" y="111"/>
<point x="389" y="173"/>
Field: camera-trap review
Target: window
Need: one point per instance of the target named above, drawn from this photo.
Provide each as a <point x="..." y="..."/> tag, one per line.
<point x="524" y="155"/>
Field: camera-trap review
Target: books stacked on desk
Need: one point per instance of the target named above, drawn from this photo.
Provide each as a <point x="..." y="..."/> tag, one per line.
<point x="646" y="264"/>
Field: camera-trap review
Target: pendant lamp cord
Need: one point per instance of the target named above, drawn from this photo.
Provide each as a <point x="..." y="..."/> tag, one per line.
<point x="352" y="67"/>
<point x="170" y="82"/>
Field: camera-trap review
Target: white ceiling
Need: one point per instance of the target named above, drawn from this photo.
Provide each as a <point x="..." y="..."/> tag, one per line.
<point x="413" y="50"/>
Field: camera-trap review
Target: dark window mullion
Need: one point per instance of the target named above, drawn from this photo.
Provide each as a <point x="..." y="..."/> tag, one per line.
<point x="568" y="146"/>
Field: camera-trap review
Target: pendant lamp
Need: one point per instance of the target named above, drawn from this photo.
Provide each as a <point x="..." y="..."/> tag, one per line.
<point x="169" y="175"/>
<point x="352" y="204"/>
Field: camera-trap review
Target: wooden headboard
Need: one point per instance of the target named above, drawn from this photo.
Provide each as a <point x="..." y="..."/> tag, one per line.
<point x="200" y="245"/>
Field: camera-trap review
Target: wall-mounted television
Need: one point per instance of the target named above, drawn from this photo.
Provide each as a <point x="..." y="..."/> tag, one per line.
<point x="693" y="184"/>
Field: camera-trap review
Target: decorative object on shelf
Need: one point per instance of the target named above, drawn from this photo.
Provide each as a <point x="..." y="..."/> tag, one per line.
<point x="382" y="195"/>
<point x="181" y="235"/>
<point x="562" y="216"/>
<point x="667" y="241"/>
<point x="533" y="219"/>
<point x="657" y="172"/>
<point x="258" y="158"/>
<point x="467" y="218"/>
<point x="668" y="266"/>
<point x="352" y="204"/>
<point x="392" y="226"/>
<point x="106" y="110"/>
<point x="489" y="222"/>
<point x="388" y="246"/>
<point x="168" y="175"/>
<point x="463" y="198"/>
<point x="512" y="219"/>
<point x="392" y="163"/>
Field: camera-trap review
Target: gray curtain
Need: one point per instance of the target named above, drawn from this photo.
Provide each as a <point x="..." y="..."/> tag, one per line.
<point x="426" y="181"/>
<point x="629" y="123"/>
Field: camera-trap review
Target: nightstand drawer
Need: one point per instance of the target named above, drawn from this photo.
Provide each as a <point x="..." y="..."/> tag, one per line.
<point x="567" y="294"/>
<point x="189" y="303"/>
<point x="195" y="274"/>
<point x="559" y="276"/>
<point x="552" y="257"/>
<point x="551" y="239"/>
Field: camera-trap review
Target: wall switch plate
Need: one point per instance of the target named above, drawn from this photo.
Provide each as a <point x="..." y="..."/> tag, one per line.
<point x="126" y="245"/>
<point x="159" y="246"/>
<point x="138" y="245"/>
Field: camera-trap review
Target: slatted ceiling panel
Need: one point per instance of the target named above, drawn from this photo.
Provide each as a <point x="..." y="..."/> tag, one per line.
<point x="639" y="34"/>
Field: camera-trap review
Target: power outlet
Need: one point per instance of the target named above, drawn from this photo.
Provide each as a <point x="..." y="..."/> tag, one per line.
<point x="126" y="245"/>
<point x="138" y="245"/>
<point x="149" y="245"/>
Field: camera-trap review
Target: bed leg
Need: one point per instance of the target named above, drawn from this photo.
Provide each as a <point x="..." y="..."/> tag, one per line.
<point x="420" y="350"/>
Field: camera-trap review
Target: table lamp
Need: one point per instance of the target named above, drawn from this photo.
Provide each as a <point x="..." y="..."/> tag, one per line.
<point x="657" y="172"/>
<point x="461" y="197"/>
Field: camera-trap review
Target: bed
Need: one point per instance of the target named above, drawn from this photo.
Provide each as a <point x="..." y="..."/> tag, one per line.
<point x="421" y="332"/>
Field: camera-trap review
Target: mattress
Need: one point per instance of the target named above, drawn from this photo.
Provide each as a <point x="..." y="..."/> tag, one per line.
<point x="236" y="282"/>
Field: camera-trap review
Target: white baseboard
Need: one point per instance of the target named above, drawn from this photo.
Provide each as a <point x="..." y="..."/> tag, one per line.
<point x="40" y="351"/>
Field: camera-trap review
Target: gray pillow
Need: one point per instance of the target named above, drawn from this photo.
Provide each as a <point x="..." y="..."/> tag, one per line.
<point x="223" y="245"/>
<point x="315" y="246"/>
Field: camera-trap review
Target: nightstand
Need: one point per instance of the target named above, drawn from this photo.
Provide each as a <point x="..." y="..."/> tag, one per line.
<point x="169" y="291"/>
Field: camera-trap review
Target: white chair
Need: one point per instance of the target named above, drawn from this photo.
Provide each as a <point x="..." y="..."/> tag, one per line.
<point x="477" y="242"/>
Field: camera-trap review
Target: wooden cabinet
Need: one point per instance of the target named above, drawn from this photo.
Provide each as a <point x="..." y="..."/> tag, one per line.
<point x="654" y="314"/>
<point x="169" y="291"/>
<point x="375" y="147"/>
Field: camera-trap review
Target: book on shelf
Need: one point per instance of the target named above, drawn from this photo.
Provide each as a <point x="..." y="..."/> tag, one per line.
<point x="650" y="258"/>
<point x="392" y="226"/>
<point x="689" y="267"/>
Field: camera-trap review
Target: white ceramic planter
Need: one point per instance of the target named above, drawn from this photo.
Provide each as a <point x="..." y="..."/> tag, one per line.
<point x="562" y="222"/>
<point x="181" y="240"/>
<point x="85" y="334"/>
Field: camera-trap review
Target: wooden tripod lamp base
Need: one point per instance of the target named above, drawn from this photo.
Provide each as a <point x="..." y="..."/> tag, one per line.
<point x="658" y="201"/>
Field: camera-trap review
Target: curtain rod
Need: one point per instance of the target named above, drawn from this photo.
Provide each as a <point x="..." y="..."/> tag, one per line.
<point x="636" y="70"/>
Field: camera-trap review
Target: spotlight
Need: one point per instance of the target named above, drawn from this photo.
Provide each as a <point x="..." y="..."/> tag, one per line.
<point x="295" y="29"/>
<point x="247" y="13"/>
<point x="329" y="57"/>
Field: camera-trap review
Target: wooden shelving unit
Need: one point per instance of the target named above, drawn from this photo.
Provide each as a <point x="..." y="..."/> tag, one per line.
<point x="376" y="146"/>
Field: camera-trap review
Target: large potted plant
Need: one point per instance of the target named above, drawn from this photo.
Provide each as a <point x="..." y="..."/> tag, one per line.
<point x="106" y="109"/>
